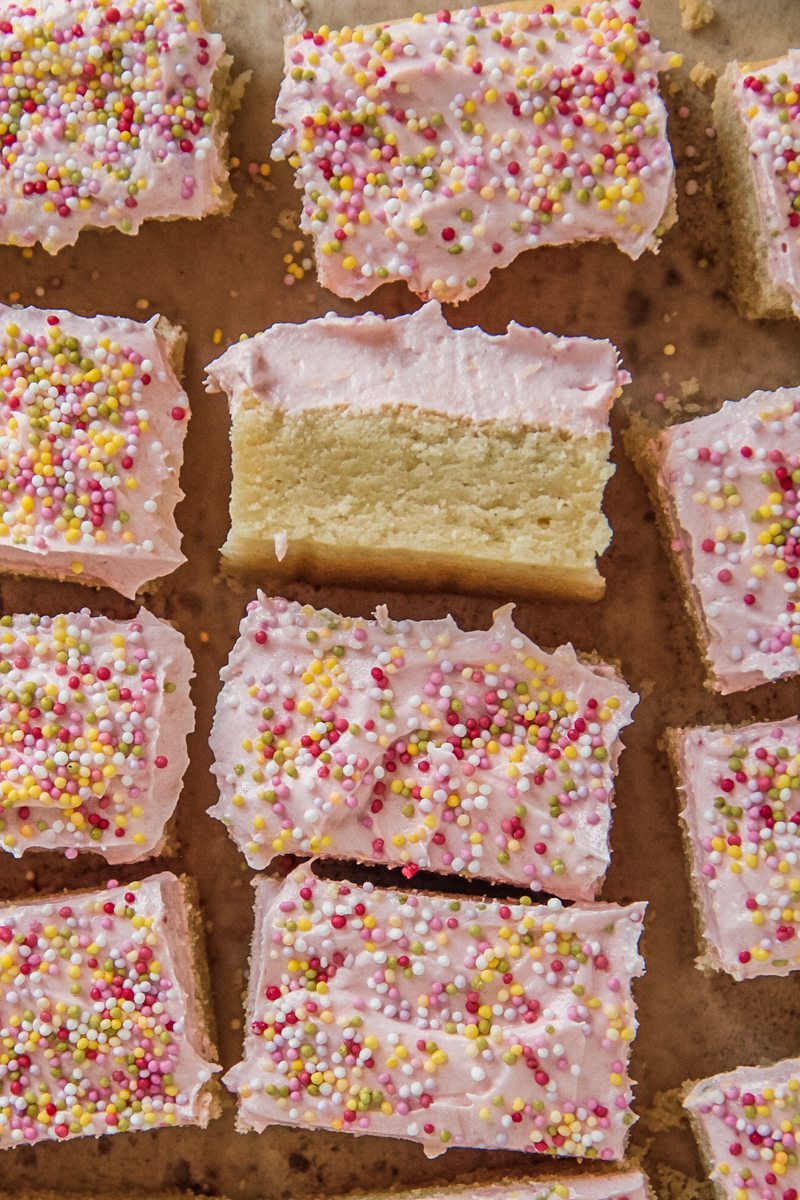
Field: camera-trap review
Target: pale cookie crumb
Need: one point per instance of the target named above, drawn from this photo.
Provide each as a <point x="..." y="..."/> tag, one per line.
<point x="696" y="13"/>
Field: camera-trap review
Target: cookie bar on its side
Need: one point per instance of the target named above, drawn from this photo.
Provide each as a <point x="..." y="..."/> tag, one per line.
<point x="405" y="453"/>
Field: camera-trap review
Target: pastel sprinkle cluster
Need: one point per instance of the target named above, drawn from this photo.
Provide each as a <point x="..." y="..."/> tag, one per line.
<point x="75" y="420"/>
<point x="447" y="1021"/>
<point x="417" y="744"/>
<point x="80" y="703"/>
<point x="753" y="1127"/>
<point x="92" y="1019"/>
<point x="435" y="148"/>
<point x="748" y="841"/>
<point x="773" y="112"/>
<point x="96" y="101"/>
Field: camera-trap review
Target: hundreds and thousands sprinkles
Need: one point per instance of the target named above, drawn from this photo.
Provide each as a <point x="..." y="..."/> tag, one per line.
<point x="748" y="1123"/>
<point x="94" y="716"/>
<point x="415" y="743"/>
<point x="99" y="1027"/>
<point x="742" y="815"/>
<point x="107" y="117"/>
<point x="731" y="482"/>
<point x="92" y="422"/>
<point x="450" y="1022"/>
<point x="437" y="148"/>
<point x="767" y="100"/>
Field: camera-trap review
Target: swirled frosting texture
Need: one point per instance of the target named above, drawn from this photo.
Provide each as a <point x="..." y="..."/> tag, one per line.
<point x="448" y="1022"/>
<point x="413" y="743"/>
<point x="94" y="716"/>
<point x="107" y="117"/>
<point x="369" y="363"/>
<point x="437" y="148"/>
<point x="99" y="1020"/>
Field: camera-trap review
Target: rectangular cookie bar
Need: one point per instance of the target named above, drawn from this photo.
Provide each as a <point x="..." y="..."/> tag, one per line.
<point x="449" y="1022"/>
<point x="415" y="744"/>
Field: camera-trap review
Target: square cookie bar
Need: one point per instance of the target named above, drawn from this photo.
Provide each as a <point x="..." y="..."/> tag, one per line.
<point x="419" y="745"/>
<point x="741" y="815"/>
<point x="727" y="485"/>
<point x="111" y="114"/>
<point x="94" y="717"/>
<point x="747" y="1124"/>
<point x="103" y="1018"/>
<point x="92" y="424"/>
<point x="449" y="1022"/>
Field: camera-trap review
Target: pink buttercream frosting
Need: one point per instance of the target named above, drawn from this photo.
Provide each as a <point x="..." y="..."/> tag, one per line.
<point x="119" y="124"/>
<point x="92" y="422"/>
<point x="748" y="1121"/>
<point x="414" y="743"/>
<point x="94" y="716"/>
<point x="614" y="1185"/>
<point x="731" y="483"/>
<point x="369" y="362"/>
<point x="767" y="100"/>
<point x="450" y="1022"/>
<point x="99" y="1018"/>
<point x="437" y="148"/>
<point x="742" y="814"/>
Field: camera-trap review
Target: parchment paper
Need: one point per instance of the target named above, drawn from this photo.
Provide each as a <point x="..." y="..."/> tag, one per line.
<point x="679" y="334"/>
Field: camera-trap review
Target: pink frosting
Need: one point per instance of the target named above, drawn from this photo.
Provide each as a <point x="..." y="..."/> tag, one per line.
<point x="437" y="148"/>
<point x="103" y="120"/>
<point x="448" y="1022"/>
<point x="730" y="481"/>
<point x="369" y="362"/>
<point x="115" y="693"/>
<point x="742" y="815"/>
<point x="81" y="963"/>
<point x="772" y="131"/>
<point x="90" y="450"/>
<point x="616" y="1185"/>
<point x="416" y="744"/>
<point x="749" y="1121"/>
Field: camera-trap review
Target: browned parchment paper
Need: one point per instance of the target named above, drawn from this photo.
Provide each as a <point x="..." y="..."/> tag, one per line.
<point x="680" y="336"/>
